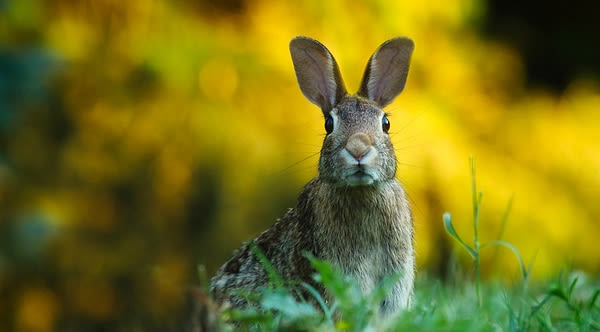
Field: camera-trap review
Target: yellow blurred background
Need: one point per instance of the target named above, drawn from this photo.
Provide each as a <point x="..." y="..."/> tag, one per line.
<point x="140" y="139"/>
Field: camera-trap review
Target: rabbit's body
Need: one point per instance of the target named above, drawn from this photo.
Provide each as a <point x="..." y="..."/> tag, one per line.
<point x="353" y="228"/>
<point x="355" y="214"/>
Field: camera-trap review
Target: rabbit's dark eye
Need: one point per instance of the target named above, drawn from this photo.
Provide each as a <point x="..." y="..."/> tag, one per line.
<point x="329" y="124"/>
<point x="385" y="124"/>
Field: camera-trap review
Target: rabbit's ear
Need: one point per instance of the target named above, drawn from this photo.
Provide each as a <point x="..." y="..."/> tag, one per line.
<point x="386" y="71"/>
<point x="317" y="73"/>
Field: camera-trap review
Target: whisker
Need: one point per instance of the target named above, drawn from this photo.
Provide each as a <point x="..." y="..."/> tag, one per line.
<point x="411" y="121"/>
<point x="416" y="208"/>
<point x="397" y="132"/>
<point x="297" y="163"/>
<point x="318" y="146"/>
<point x="407" y="147"/>
<point x="410" y="165"/>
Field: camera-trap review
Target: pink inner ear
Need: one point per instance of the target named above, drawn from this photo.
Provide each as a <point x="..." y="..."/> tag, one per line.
<point x="382" y="75"/>
<point x="317" y="72"/>
<point x="322" y="76"/>
<point x="387" y="70"/>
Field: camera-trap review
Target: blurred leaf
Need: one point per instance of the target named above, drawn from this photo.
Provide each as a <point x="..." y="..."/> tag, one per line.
<point x="274" y="277"/>
<point x="287" y="305"/>
<point x="511" y="247"/>
<point x="452" y="232"/>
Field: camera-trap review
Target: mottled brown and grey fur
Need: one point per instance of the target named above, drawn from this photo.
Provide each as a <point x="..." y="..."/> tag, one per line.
<point x="355" y="213"/>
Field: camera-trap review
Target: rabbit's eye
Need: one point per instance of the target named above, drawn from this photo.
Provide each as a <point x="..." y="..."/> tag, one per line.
<point x="385" y="124"/>
<point x="329" y="124"/>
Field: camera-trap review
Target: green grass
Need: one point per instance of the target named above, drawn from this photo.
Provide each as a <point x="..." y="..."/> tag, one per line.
<point x="567" y="302"/>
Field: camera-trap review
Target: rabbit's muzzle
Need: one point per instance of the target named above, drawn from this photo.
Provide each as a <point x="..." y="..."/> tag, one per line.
<point x="359" y="156"/>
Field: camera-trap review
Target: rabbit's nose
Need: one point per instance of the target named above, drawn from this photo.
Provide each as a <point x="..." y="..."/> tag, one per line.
<point x="358" y="145"/>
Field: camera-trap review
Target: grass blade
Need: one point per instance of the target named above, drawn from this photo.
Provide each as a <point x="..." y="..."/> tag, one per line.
<point x="274" y="276"/>
<point x="504" y="219"/>
<point x="452" y="232"/>
<point x="592" y="302"/>
<point x="524" y="270"/>
<point x="317" y="296"/>
<point x="572" y="286"/>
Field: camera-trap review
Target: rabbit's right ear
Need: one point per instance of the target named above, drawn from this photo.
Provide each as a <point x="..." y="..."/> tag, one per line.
<point x="387" y="70"/>
<point x="317" y="73"/>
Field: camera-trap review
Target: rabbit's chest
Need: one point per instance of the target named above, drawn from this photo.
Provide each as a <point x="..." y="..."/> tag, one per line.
<point x="366" y="267"/>
<point x="362" y="254"/>
<point x="366" y="236"/>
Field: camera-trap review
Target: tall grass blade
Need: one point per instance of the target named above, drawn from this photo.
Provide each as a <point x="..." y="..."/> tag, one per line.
<point x="452" y="232"/>
<point x="511" y="247"/>
<point x="477" y="197"/>
<point x="504" y="219"/>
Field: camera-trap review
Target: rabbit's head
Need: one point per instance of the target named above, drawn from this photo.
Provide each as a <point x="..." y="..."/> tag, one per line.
<point x="357" y="150"/>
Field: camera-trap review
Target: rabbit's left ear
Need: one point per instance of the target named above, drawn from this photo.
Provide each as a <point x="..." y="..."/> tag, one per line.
<point x="317" y="73"/>
<point x="386" y="72"/>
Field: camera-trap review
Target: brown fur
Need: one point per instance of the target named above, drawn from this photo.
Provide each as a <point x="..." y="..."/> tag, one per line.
<point x="355" y="214"/>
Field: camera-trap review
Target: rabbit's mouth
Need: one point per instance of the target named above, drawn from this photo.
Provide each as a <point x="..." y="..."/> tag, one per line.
<point x="359" y="177"/>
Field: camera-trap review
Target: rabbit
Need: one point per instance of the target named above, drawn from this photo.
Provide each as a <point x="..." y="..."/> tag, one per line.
<point x="354" y="214"/>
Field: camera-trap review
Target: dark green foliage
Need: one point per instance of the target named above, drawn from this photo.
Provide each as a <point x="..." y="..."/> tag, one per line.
<point x="568" y="303"/>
